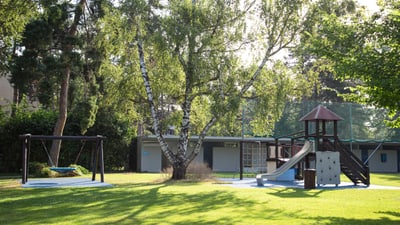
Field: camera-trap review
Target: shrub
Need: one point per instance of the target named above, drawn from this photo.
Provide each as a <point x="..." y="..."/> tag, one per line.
<point x="38" y="122"/>
<point x="80" y="170"/>
<point x="195" y="171"/>
<point x="38" y="169"/>
<point x="198" y="171"/>
<point x="167" y="172"/>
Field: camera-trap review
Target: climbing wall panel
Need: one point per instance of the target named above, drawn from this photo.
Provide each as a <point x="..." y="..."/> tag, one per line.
<point x="328" y="167"/>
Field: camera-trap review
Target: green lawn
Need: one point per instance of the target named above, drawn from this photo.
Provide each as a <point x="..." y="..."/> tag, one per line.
<point x="145" y="199"/>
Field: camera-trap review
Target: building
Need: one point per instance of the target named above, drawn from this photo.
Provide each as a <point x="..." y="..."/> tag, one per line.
<point x="222" y="154"/>
<point x="6" y="91"/>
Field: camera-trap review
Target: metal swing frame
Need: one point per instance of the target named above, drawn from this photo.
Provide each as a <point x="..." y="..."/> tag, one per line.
<point x="98" y="157"/>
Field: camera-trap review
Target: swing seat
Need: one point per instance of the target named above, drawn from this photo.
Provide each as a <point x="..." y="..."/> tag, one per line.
<point x="63" y="169"/>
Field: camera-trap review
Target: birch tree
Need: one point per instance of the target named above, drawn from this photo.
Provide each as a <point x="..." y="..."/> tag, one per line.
<point x="204" y="38"/>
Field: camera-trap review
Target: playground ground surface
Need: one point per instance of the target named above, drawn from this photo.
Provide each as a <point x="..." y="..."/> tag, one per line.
<point x="232" y="182"/>
<point x="251" y="183"/>
<point x="63" y="182"/>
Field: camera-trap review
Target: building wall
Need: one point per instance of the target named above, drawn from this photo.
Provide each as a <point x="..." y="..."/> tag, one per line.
<point x="376" y="164"/>
<point x="225" y="156"/>
<point x="150" y="158"/>
<point x="6" y="96"/>
<point x="6" y="91"/>
<point x="226" y="159"/>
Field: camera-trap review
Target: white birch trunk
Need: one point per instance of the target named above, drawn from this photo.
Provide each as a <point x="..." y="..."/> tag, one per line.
<point x="146" y="80"/>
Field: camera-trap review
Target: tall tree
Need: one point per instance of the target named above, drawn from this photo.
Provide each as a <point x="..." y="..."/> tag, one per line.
<point x="325" y="85"/>
<point x="365" y="51"/>
<point x="59" y="49"/>
<point x="203" y="36"/>
<point x="67" y="47"/>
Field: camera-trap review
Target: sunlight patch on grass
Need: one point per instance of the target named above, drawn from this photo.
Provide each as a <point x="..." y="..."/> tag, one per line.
<point x="149" y="199"/>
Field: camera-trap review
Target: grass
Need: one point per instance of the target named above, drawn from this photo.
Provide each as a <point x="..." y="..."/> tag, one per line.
<point x="147" y="199"/>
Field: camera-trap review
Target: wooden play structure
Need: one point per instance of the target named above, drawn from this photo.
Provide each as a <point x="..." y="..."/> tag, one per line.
<point x="328" y="155"/>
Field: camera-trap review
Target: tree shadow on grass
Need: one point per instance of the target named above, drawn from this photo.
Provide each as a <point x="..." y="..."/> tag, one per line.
<point x="124" y="204"/>
<point x="389" y="177"/>
<point x="177" y="205"/>
<point x="150" y="203"/>
<point x="347" y="221"/>
<point x="296" y="193"/>
<point x="391" y="213"/>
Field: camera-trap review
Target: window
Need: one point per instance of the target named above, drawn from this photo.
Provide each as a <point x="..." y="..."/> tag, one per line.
<point x="383" y="157"/>
<point x="254" y="155"/>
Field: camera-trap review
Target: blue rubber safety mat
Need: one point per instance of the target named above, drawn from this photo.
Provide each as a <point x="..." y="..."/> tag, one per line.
<point x="63" y="182"/>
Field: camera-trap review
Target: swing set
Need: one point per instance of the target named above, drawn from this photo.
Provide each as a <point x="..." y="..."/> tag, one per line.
<point x="97" y="157"/>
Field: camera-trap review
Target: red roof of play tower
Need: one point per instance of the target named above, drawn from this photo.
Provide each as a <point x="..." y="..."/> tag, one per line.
<point x="321" y="113"/>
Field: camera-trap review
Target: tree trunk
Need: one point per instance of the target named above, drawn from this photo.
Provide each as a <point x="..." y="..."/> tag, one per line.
<point x="153" y="110"/>
<point x="63" y="101"/>
<point x="61" y="120"/>
<point x="179" y="171"/>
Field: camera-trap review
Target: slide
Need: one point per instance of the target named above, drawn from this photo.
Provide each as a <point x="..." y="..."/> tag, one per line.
<point x="307" y="148"/>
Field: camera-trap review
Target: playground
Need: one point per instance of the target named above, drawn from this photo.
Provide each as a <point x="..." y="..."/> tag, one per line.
<point x="230" y="182"/>
<point x="146" y="198"/>
<point x="322" y="157"/>
<point x="315" y="156"/>
<point x="268" y="198"/>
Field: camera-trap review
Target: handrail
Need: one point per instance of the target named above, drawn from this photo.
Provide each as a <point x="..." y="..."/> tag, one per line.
<point x="351" y="161"/>
<point x="352" y="155"/>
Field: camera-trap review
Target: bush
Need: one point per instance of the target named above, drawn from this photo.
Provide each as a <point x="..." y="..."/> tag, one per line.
<point x="198" y="171"/>
<point x="38" y="169"/>
<point x="119" y="133"/>
<point x="38" y="122"/>
<point x="195" y="171"/>
<point x="80" y="170"/>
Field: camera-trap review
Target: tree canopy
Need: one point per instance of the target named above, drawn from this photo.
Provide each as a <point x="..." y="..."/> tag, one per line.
<point x="203" y="67"/>
<point x="204" y="38"/>
<point x="14" y="15"/>
<point x="364" y="51"/>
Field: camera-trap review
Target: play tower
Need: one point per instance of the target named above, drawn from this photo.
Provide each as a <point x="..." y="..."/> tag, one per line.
<point x="332" y="156"/>
<point x="325" y="152"/>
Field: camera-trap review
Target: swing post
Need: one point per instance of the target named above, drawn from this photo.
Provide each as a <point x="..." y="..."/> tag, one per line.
<point x="101" y="160"/>
<point x="98" y="157"/>
<point x="25" y="149"/>
<point x="94" y="161"/>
